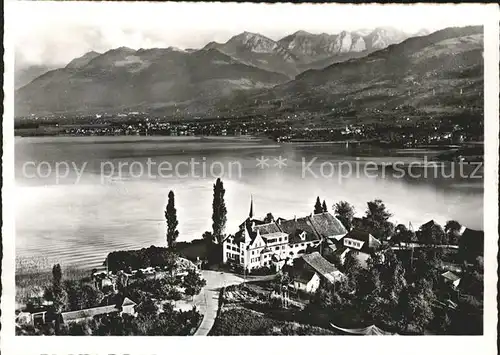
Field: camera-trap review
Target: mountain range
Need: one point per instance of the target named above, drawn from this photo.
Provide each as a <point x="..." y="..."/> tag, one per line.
<point x="369" y="68"/>
<point x="441" y="73"/>
<point x="302" y="50"/>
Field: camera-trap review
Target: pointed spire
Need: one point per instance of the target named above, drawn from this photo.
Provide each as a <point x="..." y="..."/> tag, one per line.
<point x="251" y="207"/>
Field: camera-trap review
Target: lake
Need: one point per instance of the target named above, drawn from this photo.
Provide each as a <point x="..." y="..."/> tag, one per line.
<point x="109" y="193"/>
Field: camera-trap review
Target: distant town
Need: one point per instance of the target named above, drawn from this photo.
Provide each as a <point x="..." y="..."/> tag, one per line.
<point x="283" y="128"/>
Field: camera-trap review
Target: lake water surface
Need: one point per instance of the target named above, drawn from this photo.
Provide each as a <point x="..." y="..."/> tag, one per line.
<point x="59" y="220"/>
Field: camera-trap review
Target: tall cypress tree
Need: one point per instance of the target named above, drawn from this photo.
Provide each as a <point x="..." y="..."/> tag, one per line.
<point x="325" y="209"/>
<point x="318" y="208"/>
<point x="59" y="296"/>
<point x="172" y="223"/>
<point x="219" y="211"/>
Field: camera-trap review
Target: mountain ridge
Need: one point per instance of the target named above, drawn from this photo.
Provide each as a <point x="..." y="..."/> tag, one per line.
<point x="197" y="80"/>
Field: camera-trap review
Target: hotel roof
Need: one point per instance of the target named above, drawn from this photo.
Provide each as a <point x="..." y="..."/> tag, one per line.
<point x="295" y="227"/>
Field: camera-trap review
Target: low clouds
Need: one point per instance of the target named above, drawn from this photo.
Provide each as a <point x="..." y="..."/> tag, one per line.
<point x="50" y="33"/>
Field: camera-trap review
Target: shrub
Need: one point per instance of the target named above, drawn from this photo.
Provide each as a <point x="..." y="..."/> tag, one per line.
<point x="137" y="259"/>
<point x="263" y="270"/>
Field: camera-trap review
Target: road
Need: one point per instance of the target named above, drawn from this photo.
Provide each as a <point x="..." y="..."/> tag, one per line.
<point x="207" y="301"/>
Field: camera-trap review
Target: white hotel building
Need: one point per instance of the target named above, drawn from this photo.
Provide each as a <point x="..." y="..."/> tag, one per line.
<point x="259" y="243"/>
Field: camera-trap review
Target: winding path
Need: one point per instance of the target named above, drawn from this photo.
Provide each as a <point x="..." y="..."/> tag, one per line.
<point x="207" y="301"/>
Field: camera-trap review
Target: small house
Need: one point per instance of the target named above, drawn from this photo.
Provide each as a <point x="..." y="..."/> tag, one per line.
<point x="127" y="306"/>
<point x="310" y="269"/>
<point x="307" y="281"/>
<point x="360" y="241"/>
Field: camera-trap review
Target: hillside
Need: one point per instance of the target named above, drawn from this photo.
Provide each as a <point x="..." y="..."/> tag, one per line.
<point x="124" y="77"/>
<point x="25" y="74"/>
<point x="302" y="50"/>
<point x="436" y="74"/>
<point x="440" y="72"/>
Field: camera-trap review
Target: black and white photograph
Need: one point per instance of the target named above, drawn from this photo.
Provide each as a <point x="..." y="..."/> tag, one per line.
<point x="212" y="169"/>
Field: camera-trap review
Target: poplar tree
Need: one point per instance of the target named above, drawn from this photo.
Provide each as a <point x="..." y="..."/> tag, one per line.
<point x="219" y="212"/>
<point x="172" y="222"/>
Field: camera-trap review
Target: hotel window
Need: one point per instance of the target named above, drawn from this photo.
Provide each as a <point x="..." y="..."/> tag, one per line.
<point x="277" y="248"/>
<point x="283" y="247"/>
<point x="280" y="239"/>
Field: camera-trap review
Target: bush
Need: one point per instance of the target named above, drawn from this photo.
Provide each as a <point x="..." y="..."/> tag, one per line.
<point x="163" y="289"/>
<point x="263" y="270"/>
<point x="137" y="259"/>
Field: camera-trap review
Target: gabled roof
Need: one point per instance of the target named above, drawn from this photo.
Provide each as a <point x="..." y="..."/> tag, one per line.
<point x="267" y="228"/>
<point x="327" y="225"/>
<point x="294" y="227"/>
<point x="450" y="276"/>
<point x="128" y="302"/>
<point x="88" y="313"/>
<point x="295" y="236"/>
<point x="428" y="224"/>
<point x="91" y="312"/>
<point x="369" y="241"/>
<point x="249" y="221"/>
<point x="304" y="276"/>
<point x="319" y="264"/>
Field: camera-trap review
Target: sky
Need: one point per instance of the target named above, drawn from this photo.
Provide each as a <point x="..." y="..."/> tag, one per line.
<point x="53" y="33"/>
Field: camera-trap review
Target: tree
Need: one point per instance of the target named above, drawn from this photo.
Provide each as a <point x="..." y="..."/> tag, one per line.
<point x="318" y="208"/>
<point x="121" y="280"/>
<point x="219" y="211"/>
<point x="402" y="235"/>
<point x="81" y="295"/>
<point x="392" y="276"/>
<point x="193" y="283"/>
<point x="172" y="223"/>
<point x="425" y="264"/>
<point x="352" y="265"/>
<point x="431" y="233"/>
<point x="147" y="307"/>
<point x="414" y="308"/>
<point x="324" y="208"/>
<point x="58" y="295"/>
<point x="208" y="237"/>
<point x="344" y="212"/>
<point x="281" y="279"/>
<point x="376" y="220"/>
<point x="269" y="218"/>
<point x="452" y="229"/>
<point x="56" y="275"/>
